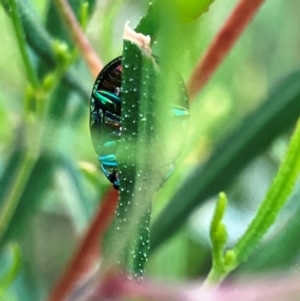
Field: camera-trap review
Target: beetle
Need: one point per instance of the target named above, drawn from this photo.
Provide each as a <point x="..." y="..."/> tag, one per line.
<point x="105" y="116"/>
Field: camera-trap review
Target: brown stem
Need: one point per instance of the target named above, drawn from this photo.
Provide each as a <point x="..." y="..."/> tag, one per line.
<point x="88" y="250"/>
<point x="79" y="38"/>
<point x="221" y="45"/>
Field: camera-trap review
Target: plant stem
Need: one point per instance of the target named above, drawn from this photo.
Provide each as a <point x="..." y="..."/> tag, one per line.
<point x="222" y="44"/>
<point x="276" y="115"/>
<point x="218" y="236"/>
<point x="16" y="189"/>
<point x="14" y="269"/>
<point x="30" y="71"/>
<point x="79" y="38"/>
<point x="277" y="196"/>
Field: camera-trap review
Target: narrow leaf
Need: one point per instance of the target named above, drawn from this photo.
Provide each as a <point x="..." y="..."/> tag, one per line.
<point x="255" y="133"/>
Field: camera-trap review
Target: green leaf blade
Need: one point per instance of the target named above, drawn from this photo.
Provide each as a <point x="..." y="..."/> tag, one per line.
<point x="277" y="114"/>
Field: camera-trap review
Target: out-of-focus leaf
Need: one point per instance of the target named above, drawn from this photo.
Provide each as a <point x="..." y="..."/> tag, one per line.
<point x="57" y="110"/>
<point x="36" y="35"/>
<point x="160" y="10"/>
<point x="107" y="34"/>
<point x="11" y="169"/>
<point x="32" y="195"/>
<point x="150" y="22"/>
<point x="277" y="114"/>
<point x="189" y="11"/>
<point x="191" y="259"/>
<point x="71" y="181"/>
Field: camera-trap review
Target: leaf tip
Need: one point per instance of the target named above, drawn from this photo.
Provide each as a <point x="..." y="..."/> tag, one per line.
<point x="139" y="39"/>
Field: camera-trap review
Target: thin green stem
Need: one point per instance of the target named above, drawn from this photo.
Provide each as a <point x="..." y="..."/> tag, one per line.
<point x="218" y="233"/>
<point x="218" y="236"/>
<point x="40" y="42"/>
<point x="220" y="270"/>
<point x="277" y="196"/>
<point x="30" y="71"/>
<point x="15" y="190"/>
<point x="38" y="131"/>
<point x="277" y="114"/>
<point x="13" y="271"/>
<point x="275" y="199"/>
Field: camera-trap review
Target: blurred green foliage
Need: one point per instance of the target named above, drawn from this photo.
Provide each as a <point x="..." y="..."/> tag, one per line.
<point x="65" y="185"/>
